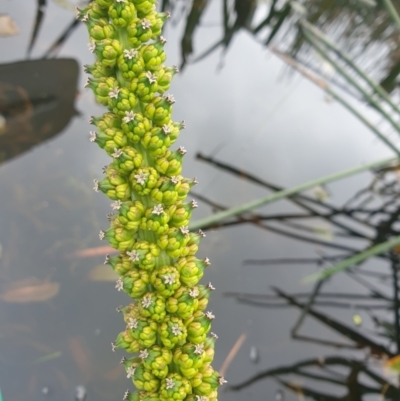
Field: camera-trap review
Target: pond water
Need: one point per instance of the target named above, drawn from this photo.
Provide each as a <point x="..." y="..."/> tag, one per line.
<point x="57" y="307"/>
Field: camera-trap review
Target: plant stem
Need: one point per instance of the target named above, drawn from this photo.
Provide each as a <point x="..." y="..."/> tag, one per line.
<point x="393" y="13"/>
<point x="287" y="192"/>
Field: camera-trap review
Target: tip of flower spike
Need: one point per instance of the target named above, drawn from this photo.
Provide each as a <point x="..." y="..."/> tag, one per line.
<point x="87" y="83"/>
<point x="162" y="40"/>
<point x="119" y="308"/>
<point x="182" y="150"/>
<point x="183" y="124"/>
<point x="85" y="68"/>
<point x="96" y="185"/>
<point x="176" y="69"/>
<point x="168" y="14"/>
<point x="107" y="259"/>
<point x="195" y="182"/>
<point x="91" y="120"/>
<point x="92" y="136"/>
<point x="113" y="346"/>
<point x="184" y="230"/>
<point x="101" y="234"/>
<point x="166" y="129"/>
<point x="201" y="233"/>
<point x="109" y="216"/>
<point x="221" y="381"/>
<point x="123" y="360"/>
<point x="92" y="46"/>
<point x="194" y="204"/>
<point x="207" y="263"/>
<point x="209" y="315"/>
<point x="213" y="335"/>
<point x="126" y="395"/>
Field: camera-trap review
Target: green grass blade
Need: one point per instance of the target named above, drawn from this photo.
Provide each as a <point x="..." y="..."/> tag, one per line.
<point x="354" y="260"/>
<point x="235" y="211"/>
<point x="392" y="11"/>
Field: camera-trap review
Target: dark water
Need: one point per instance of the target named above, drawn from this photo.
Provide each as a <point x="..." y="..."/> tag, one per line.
<point x="248" y="115"/>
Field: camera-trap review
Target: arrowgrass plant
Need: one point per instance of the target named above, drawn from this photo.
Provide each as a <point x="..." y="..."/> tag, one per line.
<point x="167" y="324"/>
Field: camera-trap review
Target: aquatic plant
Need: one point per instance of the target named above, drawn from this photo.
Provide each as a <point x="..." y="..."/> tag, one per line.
<point x="167" y="326"/>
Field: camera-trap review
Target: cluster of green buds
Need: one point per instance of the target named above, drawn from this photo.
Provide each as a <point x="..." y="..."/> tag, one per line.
<point x="167" y="324"/>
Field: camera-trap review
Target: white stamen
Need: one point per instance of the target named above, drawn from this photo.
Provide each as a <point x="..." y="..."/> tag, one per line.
<point x="134" y="256"/>
<point x="113" y="94"/>
<point x="182" y="150"/>
<point x="130" y="372"/>
<point x="213" y="335"/>
<point x="130" y="54"/>
<point x="201" y="233"/>
<point x="92" y="46"/>
<point x="117" y="153"/>
<point x="163" y="40"/>
<point x="132" y="323"/>
<point x="116" y="205"/>
<point x="129" y="116"/>
<point x="221" y="381"/>
<point x="210" y="286"/>
<point x="194" y="204"/>
<point x="141" y="178"/>
<point x="198" y="349"/>
<point x="93" y="136"/>
<point x="169" y="279"/>
<point x="158" y="209"/>
<point x="143" y="354"/>
<point x="207" y="262"/>
<point x="184" y="230"/>
<point x="209" y="315"/>
<point x="170" y="99"/>
<point x="146" y="24"/>
<point x="119" y="285"/>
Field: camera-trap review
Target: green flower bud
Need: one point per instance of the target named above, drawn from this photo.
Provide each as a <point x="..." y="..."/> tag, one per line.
<point x="101" y="87"/>
<point x="108" y="51"/>
<point x="165" y="191"/>
<point x="156" y="220"/>
<point x="210" y="381"/>
<point x="152" y="306"/>
<point x="119" y="238"/>
<point x="127" y="159"/>
<point x="209" y="345"/>
<point x="204" y="295"/>
<point x="144" y="331"/>
<point x="104" y="3"/>
<point x="131" y="64"/>
<point x="134" y="283"/>
<point x="135" y="126"/>
<point x="191" y="269"/>
<point x="130" y="313"/>
<point x="100" y="29"/>
<point x="144" y="7"/>
<point x="96" y="11"/>
<point x="143" y="180"/>
<point x="184" y="302"/>
<point x="192" y="245"/>
<point x="174" y="241"/>
<point x="130" y="215"/>
<point x="157" y="21"/>
<point x="160" y="109"/>
<point x="130" y="365"/>
<point x="143" y="379"/>
<point x="185" y="187"/>
<point x="139" y="31"/>
<point x="164" y="78"/>
<point x="121" y="264"/>
<point x="189" y="358"/>
<point x="126" y="341"/>
<point x="141" y="396"/>
<point x="158" y="140"/>
<point x="122" y="13"/>
<point x="174" y="388"/>
<point x="172" y="332"/>
<point x="182" y="214"/>
<point x="198" y="326"/>
<point x="116" y="192"/>
<point x="144" y="255"/>
<point x="165" y="280"/>
<point x="107" y="120"/>
<point x="145" y="86"/>
<point x="171" y="163"/>
<point x="98" y="70"/>
<point x="157" y="360"/>
<point x="153" y="54"/>
<point x="121" y="100"/>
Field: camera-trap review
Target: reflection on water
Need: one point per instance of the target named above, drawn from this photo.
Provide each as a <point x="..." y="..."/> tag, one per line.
<point x="57" y="301"/>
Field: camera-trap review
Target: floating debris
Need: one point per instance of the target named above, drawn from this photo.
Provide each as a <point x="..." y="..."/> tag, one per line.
<point x="80" y="393"/>
<point x="357" y="320"/>
<point x="92" y="252"/>
<point x="45" y="390"/>
<point x="29" y="290"/>
<point x="280" y="395"/>
<point x="7" y="26"/>
<point x="254" y="355"/>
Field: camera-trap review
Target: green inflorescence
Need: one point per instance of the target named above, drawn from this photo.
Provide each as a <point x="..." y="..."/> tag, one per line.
<point x="167" y="325"/>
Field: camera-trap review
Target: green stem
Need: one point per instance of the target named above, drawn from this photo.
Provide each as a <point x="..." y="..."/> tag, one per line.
<point x="354" y="260"/>
<point x="235" y="211"/>
<point x="375" y="86"/>
<point x="354" y="83"/>
<point x="393" y="13"/>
